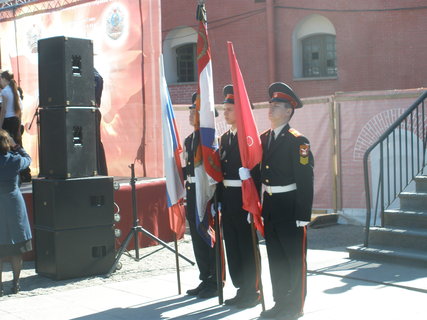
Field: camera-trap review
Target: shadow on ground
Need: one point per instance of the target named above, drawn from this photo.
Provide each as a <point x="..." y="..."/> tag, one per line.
<point x="160" y="309"/>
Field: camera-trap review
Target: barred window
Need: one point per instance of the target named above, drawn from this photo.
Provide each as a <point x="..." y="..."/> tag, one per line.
<point x="319" y="56"/>
<point x="186" y="63"/>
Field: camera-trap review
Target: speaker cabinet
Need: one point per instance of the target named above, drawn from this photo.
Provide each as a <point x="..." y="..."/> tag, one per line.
<point x="67" y="142"/>
<point x="66" y="73"/>
<point x="73" y="203"/>
<point x="74" y="253"/>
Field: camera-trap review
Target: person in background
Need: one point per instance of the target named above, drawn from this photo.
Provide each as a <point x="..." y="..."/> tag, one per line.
<point x="10" y="114"/>
<point x="204" y="254"/>
<point x="100" y="152"/>
<point x="15" y="232"/>
<point x="25" y="174"/>
<point x="287" y="178"/>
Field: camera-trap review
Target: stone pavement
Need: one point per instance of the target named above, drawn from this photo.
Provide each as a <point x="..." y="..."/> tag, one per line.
<point x="338" y="288"/>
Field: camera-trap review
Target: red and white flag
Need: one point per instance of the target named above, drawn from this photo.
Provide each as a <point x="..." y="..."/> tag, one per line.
<point x="207" y="165"/>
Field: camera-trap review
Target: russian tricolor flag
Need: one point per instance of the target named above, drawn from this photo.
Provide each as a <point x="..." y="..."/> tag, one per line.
<point x="175" y="190"/>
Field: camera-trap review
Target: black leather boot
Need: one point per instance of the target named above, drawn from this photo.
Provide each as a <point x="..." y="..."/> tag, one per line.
<point x="16" y="287"/>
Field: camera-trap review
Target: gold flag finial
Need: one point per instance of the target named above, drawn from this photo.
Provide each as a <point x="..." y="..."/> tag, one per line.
<point x="201" y="11"/>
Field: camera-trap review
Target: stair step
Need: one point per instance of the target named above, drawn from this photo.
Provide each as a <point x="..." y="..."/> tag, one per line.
<point x="421" y="184"/>
<point x="399" y="238"/>
<point x="413" y="201"/>
<point x="405" y="219"/>
<point x="389" y="254"/>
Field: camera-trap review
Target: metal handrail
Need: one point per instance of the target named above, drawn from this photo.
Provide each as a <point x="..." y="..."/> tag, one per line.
<point x="385" y="137"/>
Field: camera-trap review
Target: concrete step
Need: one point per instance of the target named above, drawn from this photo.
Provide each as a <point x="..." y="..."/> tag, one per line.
<point x="413" y="201"/>
<point x="405" y="219"/>
<point x="389" y="254"/>
<point x="421" y="184"/>
<point x="398" y="238"/>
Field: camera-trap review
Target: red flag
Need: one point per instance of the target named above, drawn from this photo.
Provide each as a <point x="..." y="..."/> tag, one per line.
<point x="248" y="137"/>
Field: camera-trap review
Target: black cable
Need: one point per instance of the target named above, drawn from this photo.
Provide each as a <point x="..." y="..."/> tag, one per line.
<point x="16" y="48"/>
<point x="210" y="22"/>
<point x="144" y="109"/>
<point x="351" y="10"/>
<point x="210" y="27"/>
<point x="225" y="18"/>
<point x="224" y="24"/>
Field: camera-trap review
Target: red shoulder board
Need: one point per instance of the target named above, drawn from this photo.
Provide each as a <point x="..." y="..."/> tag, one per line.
<point x="295" y="132"/>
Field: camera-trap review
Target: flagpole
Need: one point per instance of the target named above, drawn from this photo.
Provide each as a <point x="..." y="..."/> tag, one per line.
<point x="257" y="256"/>
<point x="178" y="276"/>
<point x="218" y="253"/>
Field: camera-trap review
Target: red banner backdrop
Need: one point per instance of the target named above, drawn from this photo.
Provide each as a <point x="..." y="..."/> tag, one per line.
<point x="126" y="36"/>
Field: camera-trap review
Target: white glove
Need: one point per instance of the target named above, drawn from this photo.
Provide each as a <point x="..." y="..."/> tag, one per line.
<point x="244" y="173"/>
<point x="249" y="218"/>
<point x="302" y="223"/>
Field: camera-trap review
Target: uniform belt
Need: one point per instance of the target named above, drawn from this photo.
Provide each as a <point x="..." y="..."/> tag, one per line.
<point x="279" y="189"/>
<point x="232" y="183"/>
<point x="191" y="179"/>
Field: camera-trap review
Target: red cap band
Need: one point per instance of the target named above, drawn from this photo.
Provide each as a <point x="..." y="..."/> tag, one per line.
<point x="286" y="97"/>
<point x="229" y="96"/>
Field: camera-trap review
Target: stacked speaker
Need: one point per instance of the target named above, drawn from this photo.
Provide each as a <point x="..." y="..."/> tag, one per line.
<point x="73" y="207"/>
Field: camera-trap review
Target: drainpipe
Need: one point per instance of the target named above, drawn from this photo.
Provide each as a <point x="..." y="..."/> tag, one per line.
<point x="271" y="47"/>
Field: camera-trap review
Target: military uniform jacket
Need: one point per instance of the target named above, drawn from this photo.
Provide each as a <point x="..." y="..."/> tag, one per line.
<point x="188" y="171"/>
<point x="230" y="156"/>
<point x="189" y="144"/>
<point x="288" y="160"/>
<point x="230" y="197"/>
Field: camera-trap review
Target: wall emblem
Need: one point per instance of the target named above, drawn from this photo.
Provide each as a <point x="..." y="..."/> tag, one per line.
<point x="115" y="23"/>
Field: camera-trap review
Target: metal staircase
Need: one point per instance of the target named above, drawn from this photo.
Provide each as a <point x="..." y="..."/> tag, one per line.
<point x="396" y="217"/>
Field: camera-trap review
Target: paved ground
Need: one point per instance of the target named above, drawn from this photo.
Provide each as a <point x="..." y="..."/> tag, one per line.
<point x="338" y="288"/>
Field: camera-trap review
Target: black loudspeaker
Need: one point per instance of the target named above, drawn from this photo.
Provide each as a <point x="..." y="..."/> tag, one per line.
<point x="67" y="142"/>
<point x="73" y="203"/>
<point x="74" y="253"/>
<point x="66" y="74"/>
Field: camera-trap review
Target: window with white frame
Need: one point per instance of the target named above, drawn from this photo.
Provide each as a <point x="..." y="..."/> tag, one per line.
<point x="179" y="55"/>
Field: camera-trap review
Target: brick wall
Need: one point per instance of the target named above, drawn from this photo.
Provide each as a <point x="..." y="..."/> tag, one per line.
<point x="182" y="93"/>
<point x="376" y="49"/>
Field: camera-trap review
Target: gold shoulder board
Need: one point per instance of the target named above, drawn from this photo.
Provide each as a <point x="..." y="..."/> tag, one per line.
<point x="294" y="132"/>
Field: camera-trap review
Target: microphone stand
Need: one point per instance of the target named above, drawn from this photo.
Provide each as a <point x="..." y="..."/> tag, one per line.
<point x="136" y="229"/>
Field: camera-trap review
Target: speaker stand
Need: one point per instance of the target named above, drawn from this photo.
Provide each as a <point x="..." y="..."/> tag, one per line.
<point x="136" y="229"/>
<point x="36" y="116"/>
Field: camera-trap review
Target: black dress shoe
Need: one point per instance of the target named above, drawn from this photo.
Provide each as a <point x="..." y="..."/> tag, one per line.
<point x="195" y="291"/>
<point x="235" y="300"/>
<point x="16" y="287"/>
<point x="1" y="290"/>
<point x="207" y="292"/>
<point x="289" y="315"/>
<point x="273" y="312"/>
<point x="249" y="301"/>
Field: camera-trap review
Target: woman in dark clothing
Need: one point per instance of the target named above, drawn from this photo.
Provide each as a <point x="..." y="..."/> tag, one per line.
<point x="15" y="232"/>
